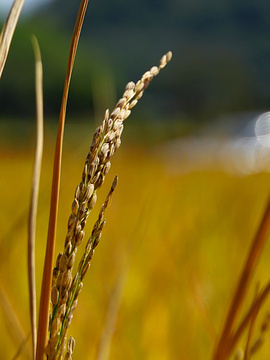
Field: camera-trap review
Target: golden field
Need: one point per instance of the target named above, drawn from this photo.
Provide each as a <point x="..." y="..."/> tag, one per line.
<point x="168" y="258"/>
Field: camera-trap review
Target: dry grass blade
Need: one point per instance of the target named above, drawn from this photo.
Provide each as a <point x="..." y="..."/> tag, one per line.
<point x="262" y="335"/>
<point x="251" y="329"/>
<point x="47" y="271"/>
<point x="14" y="326"/>
<point x="112" y="313"/>
<point x="255" y="307"/>
<point x="34" y="194"/>
<point x="202" y="307"/>
<point x="8" y="31"/>
<point x="223" y="345"/>
<point x="20" y="350"/>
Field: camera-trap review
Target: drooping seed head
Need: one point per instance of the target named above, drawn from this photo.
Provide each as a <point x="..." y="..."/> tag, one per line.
<point x="154" y="71"/>
<point x="71" y="220"/>
<point x="110" y="136"/>
<point x="67" y="279"/>
<point x="84" y="174"/>
<point x="63" y="295"/>
<point x="165" y="59"/>
<point x="128" y="94"/>
<point x="71" y="261"/>
<point x="75" y="206"/>
<point x="139" y="86"/>
<point x="121" y="102"/>
<point x="115" y="182"/>
<point x="84" y="270"/>
<point x="71" y="345"/>
<point x="58" y="260"/>
<point x="62" y="311"/>
<point x="63" y="263"/>
<point x="115" y="113"/>
<point x="54" y="295"/>
<point x="59" y="280"/>
<point x="126" y="114"/>
<point x="68" y="248"/>
<point x="106" y="168"/>
<point x="133" y="103"/>
<point x="130" y="85"/>
<point x="54" y="276"/>
<point x="99" y="181"/>
<point x="77" y="192"/>
<point x="92" y="201"/>
<point x="79" y="237"/>
<point x="117" y="143"/>
<point x="55" y="326"/>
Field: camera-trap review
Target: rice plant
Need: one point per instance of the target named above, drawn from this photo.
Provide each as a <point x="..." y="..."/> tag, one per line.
<point x="63" y="280"/>
<point x="59" y="284"/>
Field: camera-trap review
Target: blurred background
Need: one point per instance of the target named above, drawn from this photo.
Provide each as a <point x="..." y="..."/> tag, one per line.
<point x="193" y="175"/>
<point x="221" y="55"/>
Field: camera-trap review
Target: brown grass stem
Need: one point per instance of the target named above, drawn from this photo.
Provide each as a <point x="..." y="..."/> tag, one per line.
<point x="223" y="344"/>
<point x="21" y="348"/>
<point x="8" y="31"/>
<point x="251" y="327"/>
<point x="14" y="326"/>
<point x="255" y="307"/>
<point x="34" y="193"/>
<point x="48" y="264"/>
<point x="112" y="313"/>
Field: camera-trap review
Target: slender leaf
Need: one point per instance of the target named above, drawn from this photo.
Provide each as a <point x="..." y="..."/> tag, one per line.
<point x="48" y="264"/>
<point x="223" y="345"/>
<point x="34" y="194"/>
<point x="13" y="325"/>
<point x="8" y="31"/>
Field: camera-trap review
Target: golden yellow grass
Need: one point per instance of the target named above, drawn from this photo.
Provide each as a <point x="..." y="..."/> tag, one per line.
<point x="184" y="238"/>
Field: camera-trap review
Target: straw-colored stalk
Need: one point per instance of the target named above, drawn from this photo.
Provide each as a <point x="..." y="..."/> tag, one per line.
<point x="228" y="336"/>
<point x="48" y="263"/>
<point x="8" y="31"/>
<point x="34" y="194"/>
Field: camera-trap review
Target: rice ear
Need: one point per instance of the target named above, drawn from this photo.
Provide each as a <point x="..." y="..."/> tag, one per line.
<point x="8" y="31"/>
<point x="106" y="140"/>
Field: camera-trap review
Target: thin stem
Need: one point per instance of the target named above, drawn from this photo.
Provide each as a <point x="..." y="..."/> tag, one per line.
<point x="48" y="264"/>
<point x="8" y="31"/>
<point x="223" y="345"/>
<point x="34" y="196"/>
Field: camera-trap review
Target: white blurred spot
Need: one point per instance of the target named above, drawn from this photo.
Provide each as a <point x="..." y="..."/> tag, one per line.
<point x="262" y="129"/>
<point x="241" y="146"/>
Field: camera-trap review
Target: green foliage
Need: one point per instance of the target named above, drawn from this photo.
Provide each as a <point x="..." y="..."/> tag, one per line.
<point x="220" y="56"/>
<point x="17" y="84"/>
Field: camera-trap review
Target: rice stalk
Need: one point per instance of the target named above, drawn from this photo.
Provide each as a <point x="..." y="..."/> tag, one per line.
<point x="254" y="308"/>
<point x="261" y="338"/>
<point x="21" y="348"/>
<point x="14" y="327"/>
<point x="47" y="270"/>
<point x="8" y="31"/>
<point x="34" y="194"/>
<point x="112" y="313"/>
<point x="226" y="340"/>
<point x="251" y="330"/>
<point x="202" y="307"/>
